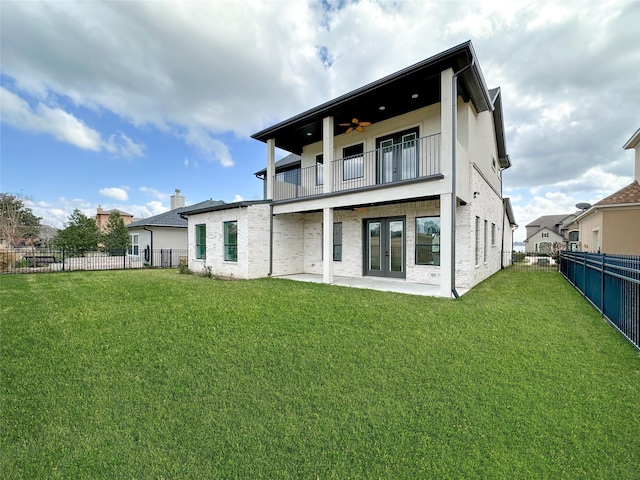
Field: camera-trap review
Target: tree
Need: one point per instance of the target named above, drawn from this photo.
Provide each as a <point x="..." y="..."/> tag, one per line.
<point x="17" y="221"/>
<point x="81" y="233"/>
<point x="116" y="238"/>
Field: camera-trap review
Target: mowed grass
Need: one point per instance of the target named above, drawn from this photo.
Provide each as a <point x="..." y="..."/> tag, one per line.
<point x="151" y="374"/>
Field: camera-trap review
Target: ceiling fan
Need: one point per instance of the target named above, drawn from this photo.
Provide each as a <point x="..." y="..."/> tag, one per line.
<point x="355" y="125"/>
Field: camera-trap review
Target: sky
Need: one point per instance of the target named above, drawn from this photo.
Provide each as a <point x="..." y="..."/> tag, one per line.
<point x="119" y="103"/>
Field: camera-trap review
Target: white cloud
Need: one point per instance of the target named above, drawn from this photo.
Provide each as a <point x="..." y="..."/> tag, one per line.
<point x="115" y="193"/>
<point x="157" y="194"/>
<point x="43" y="119"/>
<point x="209" y="147"/>
<point x="123" y="146"/>
<point x="238" y="198"/>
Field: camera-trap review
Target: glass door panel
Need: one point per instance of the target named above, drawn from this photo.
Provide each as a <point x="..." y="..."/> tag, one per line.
<point x="375" y="247"/>
<point x="386" y="164"/>
<point x="396" y="246"/>
<point x="409" y="156"/>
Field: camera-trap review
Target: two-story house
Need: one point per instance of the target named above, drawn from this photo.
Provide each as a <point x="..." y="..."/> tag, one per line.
<point x="549" y="230"/>
<point x="612" y="225"/>
<point x="401" y="178"/>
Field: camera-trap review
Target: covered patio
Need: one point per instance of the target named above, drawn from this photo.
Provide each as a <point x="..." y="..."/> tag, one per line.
<point x="375" y="283"/>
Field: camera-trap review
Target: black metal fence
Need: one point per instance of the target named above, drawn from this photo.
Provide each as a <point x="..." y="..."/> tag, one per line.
<point x="611" y="283"/>
<point x="36" y="260"/>
<point x="531" y="262"/>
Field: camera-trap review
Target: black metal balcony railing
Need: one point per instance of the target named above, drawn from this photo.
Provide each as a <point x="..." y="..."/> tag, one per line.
<point x="410" y="160"/>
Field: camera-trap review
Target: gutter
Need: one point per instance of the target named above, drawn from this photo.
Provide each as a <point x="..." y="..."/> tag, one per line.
<point x="454" y="159"/>
<point x="150" y="246"/>
<point x="270" y="240"/>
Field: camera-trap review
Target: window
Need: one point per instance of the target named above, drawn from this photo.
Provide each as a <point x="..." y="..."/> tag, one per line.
<point x="477" y="241"/>
<point x="201" y="242"/>
<point x="493" y="234"/>
<point x="133" y="244"/>
<point x="545" y="234"/>
<point x="319" y="171"/>
<point x="574" y="235"/>
<point x="231" y="241"/>
<point x="353" y="162"/>
<point x="485" y="242"/>
<point x="337" y="241"/>
<point x="428" y="241"/>
<point x="289" y="176"/>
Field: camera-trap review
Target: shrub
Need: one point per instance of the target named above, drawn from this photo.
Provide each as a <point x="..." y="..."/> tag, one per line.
<point x="518" y="256"/>
<point x="183" y="267"/>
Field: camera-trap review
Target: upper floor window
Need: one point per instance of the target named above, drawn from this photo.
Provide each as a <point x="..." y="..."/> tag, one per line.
<point x="201" y="242"/>
<point x="353" y="162"/>
<point x="574" y="236"/>
<point x="545" y="234"/>
<point x="319" y="171"/>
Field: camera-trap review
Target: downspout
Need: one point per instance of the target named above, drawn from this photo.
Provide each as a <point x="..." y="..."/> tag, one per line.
<point x="270" y="239"/>
<point x="151" y="246"/>
<point x="454" y="196"/>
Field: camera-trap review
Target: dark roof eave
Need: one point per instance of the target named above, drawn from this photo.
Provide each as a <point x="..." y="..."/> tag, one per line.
<point x="473" y="78"/>
<point x="225" y="206"/>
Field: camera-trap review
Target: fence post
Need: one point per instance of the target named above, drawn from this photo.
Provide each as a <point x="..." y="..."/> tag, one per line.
<point x="602" y="284"/>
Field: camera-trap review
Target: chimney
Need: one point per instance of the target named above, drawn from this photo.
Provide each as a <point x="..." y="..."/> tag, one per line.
<point x="99" y="211"/>
<point x="177" y="200"/>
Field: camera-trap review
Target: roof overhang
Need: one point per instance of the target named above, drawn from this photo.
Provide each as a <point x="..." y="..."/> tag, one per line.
<point x="396" y="93"/>
<point x="634" y="141"/>
<point x="225" y="206"/>
<point x="607" y="206"/>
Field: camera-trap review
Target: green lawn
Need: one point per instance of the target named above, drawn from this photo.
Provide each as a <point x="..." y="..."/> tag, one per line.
<point x="151" y="374"/>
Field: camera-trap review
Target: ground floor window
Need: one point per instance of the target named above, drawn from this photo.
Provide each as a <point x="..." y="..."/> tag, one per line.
<point x="201" y="242"/>
<point x="134" y="247"/>
<point x="485" y="238"/>
<point x="428" y="241"/>
<point x="477" y="241"/>
<point x="337" y="241"/>
<point x="231" y="241"/>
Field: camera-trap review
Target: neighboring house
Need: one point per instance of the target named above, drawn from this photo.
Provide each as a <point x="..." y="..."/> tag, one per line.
<point x="102" y="217"/>
<point x="162" y="239"/>
<point x="376" y="186"/>
<point x="548" y="230"/>
<point x="612" y="225"/>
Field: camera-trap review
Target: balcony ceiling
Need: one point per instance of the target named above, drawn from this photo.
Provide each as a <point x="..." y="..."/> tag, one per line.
<point x="396" y="93"/>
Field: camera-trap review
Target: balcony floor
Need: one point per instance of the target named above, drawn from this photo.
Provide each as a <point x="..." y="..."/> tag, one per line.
<point x="375" y="283"/>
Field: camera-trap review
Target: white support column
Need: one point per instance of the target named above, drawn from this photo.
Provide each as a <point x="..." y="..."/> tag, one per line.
<point x="327" y="154"/>
<point x="327" y="245"/>
<point x="446" y="118"/>
<point x="447" y="256"/>
<point x="445" y="241"/>
<point x="271" y="167"/>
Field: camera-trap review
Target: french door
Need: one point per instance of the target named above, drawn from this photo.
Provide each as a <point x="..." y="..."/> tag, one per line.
<point x="384" y="252"/>
<point x="398" y="156"/>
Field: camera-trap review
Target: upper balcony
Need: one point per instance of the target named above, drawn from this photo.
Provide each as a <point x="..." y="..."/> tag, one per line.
<point x="390" y="164"/>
